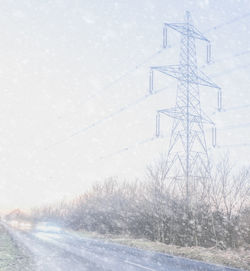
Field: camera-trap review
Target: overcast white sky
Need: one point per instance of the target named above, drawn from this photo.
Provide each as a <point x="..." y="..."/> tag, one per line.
<point x="57" y="56"/>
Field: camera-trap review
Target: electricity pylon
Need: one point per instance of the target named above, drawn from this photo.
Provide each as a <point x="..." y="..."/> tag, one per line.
<point x="187" y="155"/>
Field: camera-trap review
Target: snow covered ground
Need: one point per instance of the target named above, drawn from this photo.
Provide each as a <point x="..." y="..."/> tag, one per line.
<point x="239" y="258"/>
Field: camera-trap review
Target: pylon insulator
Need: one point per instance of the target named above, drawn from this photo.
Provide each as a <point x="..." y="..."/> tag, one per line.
<point x="214" y="136"/>
<point x="157" y="132"/>
<point x="165" y="37"/>
<point x="151" y="82"/>
<point x="208" y="52"/>
<point x="219" y="99"/>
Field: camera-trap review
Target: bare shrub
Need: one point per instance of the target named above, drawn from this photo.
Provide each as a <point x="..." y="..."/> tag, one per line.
<point x="156" y="208"/>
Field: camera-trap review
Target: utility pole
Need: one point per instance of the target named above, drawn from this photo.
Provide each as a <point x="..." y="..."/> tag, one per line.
<point x="187" y="157"/>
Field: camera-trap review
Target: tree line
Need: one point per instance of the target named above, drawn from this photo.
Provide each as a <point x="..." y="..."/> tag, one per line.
<point x="218" y="212"/>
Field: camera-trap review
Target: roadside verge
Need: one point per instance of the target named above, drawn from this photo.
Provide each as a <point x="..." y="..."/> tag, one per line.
<point x="12" y="257"/>
<point x="237" y="258"/>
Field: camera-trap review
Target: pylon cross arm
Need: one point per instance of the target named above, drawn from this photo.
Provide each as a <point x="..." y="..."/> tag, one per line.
<point x="204" y="80"/>
<point x="185" y="29"/>
<point x="179" y="114"/>
<point x="176" y="72"/>
<point x="171" y="70"/>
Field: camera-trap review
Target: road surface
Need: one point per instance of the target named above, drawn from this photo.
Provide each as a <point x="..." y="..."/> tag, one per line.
<point x="63" y="251"/>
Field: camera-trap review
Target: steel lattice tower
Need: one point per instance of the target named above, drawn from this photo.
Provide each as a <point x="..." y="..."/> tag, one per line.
<point x="187" y="155"/>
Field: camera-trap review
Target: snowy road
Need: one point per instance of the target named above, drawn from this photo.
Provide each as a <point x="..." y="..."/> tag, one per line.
<point x="62" y="251"/>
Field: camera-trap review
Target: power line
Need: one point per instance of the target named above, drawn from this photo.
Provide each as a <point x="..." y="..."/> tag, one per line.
<point x="240" y="145"/>
<point x="136" y="67"/>
<point x="236" y="19"/>
<point x="236" y="108"/>
<point x="108" y="117"/>
<point x="245" y="52"/>
<point x="236" y="126"/>
<point x="123" y="75"/>
<point x="127" y="148"/>
<point x="225" y="58"/>
<point x="122" y="109"/>
<point x="216" y="27"/>
<point x="140" y="142"/>
<point x="231" y="70"/>
<point x="124" y="149"/>
<point x="154" y="138"/>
